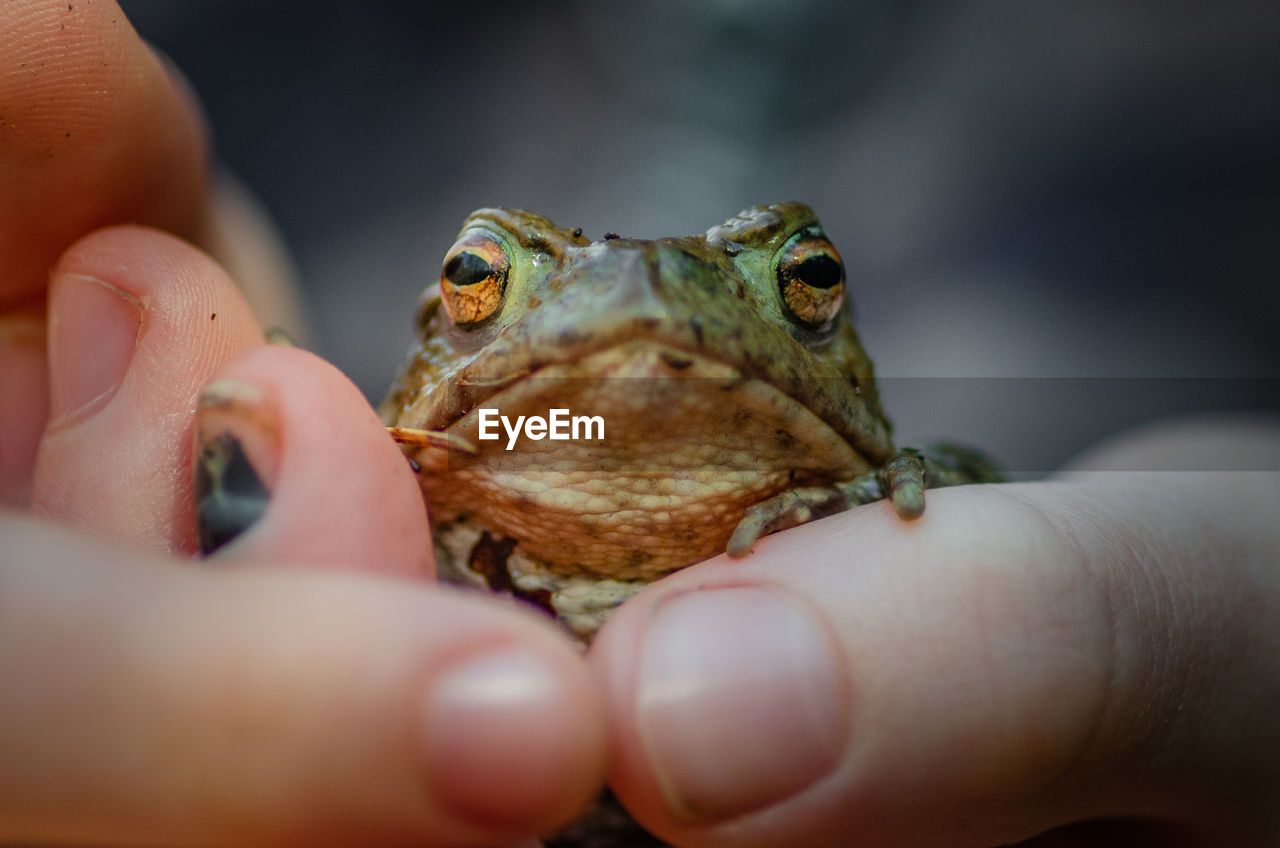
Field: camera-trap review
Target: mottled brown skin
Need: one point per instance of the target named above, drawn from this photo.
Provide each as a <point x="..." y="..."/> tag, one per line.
<point x="736" y="396"/>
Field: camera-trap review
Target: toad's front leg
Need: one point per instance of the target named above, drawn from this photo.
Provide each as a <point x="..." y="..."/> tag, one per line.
<point x="902" y="480"/>
<point x="800" y="506"/>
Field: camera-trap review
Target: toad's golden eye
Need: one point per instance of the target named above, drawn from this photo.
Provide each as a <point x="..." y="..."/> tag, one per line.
<point x="811" y="280"/>
<point x="473" y="278"/>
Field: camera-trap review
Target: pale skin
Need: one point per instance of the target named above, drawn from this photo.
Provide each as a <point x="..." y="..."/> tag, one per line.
<point x="1099" y="648"/>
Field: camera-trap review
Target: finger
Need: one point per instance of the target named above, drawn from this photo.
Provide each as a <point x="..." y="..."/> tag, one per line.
<point x="1014" y="662"/>
<point x="149" y="703"/>
<point x="138" y="321"/>
<point x="24" y="400"/>
<point x="93" y="132"/>
<point x="239" y="234"/>
<point x="96" y="130"/>
<point x="295" y="467"/>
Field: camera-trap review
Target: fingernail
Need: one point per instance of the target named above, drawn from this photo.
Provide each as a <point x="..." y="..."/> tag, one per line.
<point x="236" y="459"/>
<point x="740" y="700"/>
<point x="93" y="330"/>
<point x="494" y="726"/>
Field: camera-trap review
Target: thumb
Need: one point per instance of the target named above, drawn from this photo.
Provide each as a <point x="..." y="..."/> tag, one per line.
<point x="1017" y="661"/>
<point x="147" y="703"/>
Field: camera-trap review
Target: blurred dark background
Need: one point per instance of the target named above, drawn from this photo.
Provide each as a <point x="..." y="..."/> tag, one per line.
<point x="1084" y="195"/>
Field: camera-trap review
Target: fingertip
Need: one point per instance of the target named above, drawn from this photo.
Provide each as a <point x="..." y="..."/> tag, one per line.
<point x="460" y="720"/>
<point x="96" y="133"/>
<point x="515" y="736"/>
<point x="139" y="320"/>
<point x="324" y="461"/>
<point x="726" y="699"/>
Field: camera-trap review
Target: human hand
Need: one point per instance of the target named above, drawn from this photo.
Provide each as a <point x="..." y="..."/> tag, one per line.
<point x="1089" y="661"/>
<point x="150" y="701"/>
<point x="94" y="131"/>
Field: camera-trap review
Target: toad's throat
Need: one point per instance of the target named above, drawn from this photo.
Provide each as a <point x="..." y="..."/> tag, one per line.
<point x="685" y="445"/>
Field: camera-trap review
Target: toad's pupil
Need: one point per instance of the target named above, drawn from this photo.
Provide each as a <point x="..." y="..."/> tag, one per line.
<point x="820" y="272"/>
<point x="467" y="269"/>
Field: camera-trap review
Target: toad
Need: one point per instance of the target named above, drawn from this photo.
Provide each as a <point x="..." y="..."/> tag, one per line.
<point x="732" y="397"/>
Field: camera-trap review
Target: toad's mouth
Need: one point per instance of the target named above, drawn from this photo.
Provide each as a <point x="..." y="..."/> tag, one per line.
<point x="647" y="370"/>
<point x="646" y="408"/>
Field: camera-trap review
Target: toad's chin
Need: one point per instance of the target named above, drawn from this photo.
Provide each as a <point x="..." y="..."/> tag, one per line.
<point x="669" y="451"/>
